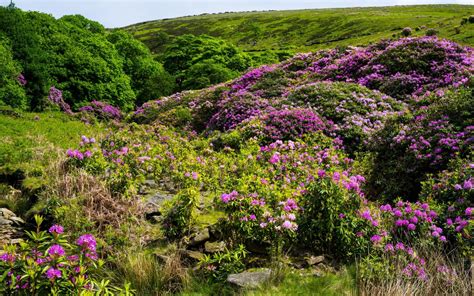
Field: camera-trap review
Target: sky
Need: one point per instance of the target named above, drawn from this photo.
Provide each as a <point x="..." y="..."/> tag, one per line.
<point x="119" y="13"/>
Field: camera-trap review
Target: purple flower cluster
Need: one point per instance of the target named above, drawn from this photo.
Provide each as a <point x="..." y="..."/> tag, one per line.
<point x="21" y="80"/>
<point x="56" y="97"/>
<point x="406" y="67"/>
<point x="291" y="124"/>
<point x="102" y="110"/>
<point x="435" y="140"/>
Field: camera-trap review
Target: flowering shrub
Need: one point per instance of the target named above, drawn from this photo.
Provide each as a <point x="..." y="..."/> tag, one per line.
<point x="356" y="111"/>
<point x="102" y="110"/>
<point x="411" y="146"/>
<point x="237" y="108"/>
<point x="453" y="191"/>
<point x="330" y="219"/>
<point x="405" y="239"/>
<point x="288" y="124"/>
<point x="56" y="97"/>
<point x="406" y="67"/>
<point x="49" y="264"/>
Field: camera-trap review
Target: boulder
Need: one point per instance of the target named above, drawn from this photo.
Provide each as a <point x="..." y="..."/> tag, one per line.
<point x="314" y="260"/>
<point x="200" y="237"/>
<point x="214" y="247"/>
<point x="249" y="279"/>
<point x="10" y="227"/>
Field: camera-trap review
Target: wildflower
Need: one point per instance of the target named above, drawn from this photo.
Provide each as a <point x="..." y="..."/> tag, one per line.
<point x="400" y="246"/>
<point x="194" y="175"/>
<point x="389" y="248"/>
<point x="53" y="273"/>
<point x="321" y="173"/>
<point x="87" y="241"/>
<point x="468" y="211"/>
<point x="342" y="216"/>
<point x="56" y="250"/>
<point x="56" y="229"/>
<point x="8" y="257"/>
<point x="253" y="217"/>
<point x="336" y="176"/>
<point x="376" y="238"/>
<point x="411" y="227"/>
<point x="275" y="158"/>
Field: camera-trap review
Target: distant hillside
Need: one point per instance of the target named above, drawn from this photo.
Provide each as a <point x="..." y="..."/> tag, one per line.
<point x="304" y="30"/>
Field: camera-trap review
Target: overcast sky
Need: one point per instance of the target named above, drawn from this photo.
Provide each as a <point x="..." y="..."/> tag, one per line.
<point x="117" y="13"/>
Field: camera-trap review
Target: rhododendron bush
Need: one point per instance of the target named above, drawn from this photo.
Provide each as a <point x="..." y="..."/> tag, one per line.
<point x="50" y="263"/>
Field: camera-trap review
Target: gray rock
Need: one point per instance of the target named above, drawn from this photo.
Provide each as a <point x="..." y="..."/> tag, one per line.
<point x="314" y="260"/>
<point x="150" y="183"/>
<point x="214" y="247"/>
<point x="249" y="279"/>
<point x="200" y="237"/>
<point x="196" y="255"/>
<point x="17" y="220"/>
<point x="6" y="213"/>
<point x="4" y="221"/>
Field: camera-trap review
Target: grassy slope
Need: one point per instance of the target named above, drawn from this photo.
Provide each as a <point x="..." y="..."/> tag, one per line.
<point x="29" y="144"/>
<point x="305" y="30"/>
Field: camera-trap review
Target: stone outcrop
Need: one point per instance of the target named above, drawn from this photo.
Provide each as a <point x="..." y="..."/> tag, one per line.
<point x="250" y="279"/>
<point x="10" y="227"/>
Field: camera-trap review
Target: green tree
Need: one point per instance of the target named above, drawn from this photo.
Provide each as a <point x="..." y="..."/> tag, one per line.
<point x="207" y="73"/>
<point x="11" y="92"/>
<point x="148" y="77"/>
<point x="188" y="50"/>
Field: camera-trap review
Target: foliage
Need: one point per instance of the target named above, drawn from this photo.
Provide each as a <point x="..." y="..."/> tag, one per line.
<point x="11" y="80"/>
<point x="219" y="265"/>
<point x="149" y="80"/>
<point x="48" y="263"/>
<point x="213" y="59"/>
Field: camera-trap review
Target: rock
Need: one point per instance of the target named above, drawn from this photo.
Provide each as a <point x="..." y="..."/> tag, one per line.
<point x="5" y="221"/>
<point x="214" y="247"/>
<point x="196" y="255"/>
<point x="6" y="213"/>
<point x="10" y="232"/>
<point x="153" y="202"/>
<point x="314" y="260"/>
<point x="200" y="237"/>
<point x="249" y="279"/>
<point x="17" y="220"/>
<point x="150" y="183"/>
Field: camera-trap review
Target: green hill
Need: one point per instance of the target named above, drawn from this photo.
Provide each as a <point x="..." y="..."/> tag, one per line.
<point x="305" y="30"/>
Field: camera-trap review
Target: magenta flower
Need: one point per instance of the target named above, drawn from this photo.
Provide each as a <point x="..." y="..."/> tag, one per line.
<point x="87" y="242"/>
<point x="56" y="250"/>
<point x="8" y="257"/>
<point x="56" y="229"/>
<point x="376" y="238"/>
<point x="275" y="158"/>
<point x="53" y="273"/>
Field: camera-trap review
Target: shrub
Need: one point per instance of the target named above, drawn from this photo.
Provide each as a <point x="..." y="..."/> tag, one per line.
<point x="102" y="111"/>
<point x="431" y="32"/>
<point x="180" y="213"/>
<point x="219" y="265"/>
<point x="48" y="263"/>
<point x="330" y="222"/>
<point x="356" y="111"/>
<point x="406" y="32"/>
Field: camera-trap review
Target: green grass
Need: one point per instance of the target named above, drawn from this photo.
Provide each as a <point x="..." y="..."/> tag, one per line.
<point x="294" y="283"/>
<point x="33" y="140"/>
<point x="307" y="30"/>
